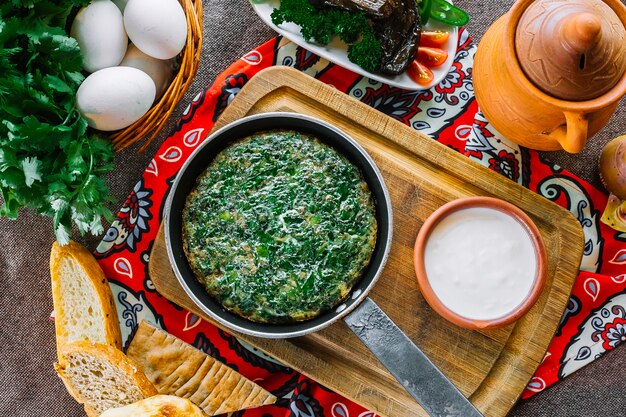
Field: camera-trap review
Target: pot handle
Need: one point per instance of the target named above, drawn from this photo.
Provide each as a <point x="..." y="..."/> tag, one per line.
<point x="572" y="136"/>
<point x="407" y="363"/>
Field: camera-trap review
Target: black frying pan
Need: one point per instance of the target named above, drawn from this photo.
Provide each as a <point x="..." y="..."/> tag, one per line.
<point x="197" y="163"/>
<point x="394" y="349"/>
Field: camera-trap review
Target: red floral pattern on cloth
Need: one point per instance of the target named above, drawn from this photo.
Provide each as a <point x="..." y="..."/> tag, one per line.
<point x="506" y="164"/>
<point x="595" y="318"/>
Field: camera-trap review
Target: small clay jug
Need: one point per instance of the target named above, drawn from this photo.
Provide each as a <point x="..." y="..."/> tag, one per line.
<point x="549" y="74"/>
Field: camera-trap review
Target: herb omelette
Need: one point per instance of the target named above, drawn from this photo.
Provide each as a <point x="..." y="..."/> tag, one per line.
<point x="279" y="227"/>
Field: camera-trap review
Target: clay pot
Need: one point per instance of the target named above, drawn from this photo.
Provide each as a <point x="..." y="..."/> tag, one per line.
<point x="612" y="167"/>
<point x="521" y="98"/>
<point x="493" y="203"/>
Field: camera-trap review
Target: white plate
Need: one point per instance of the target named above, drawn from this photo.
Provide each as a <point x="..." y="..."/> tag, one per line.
<point x="337" y="51"/>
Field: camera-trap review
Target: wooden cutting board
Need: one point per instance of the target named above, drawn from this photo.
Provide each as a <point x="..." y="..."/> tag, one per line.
<point x="490" y="367"/>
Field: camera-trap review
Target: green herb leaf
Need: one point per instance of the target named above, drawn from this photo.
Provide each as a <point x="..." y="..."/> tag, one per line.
<point x="58" y="84"/>
<point x="30" y="166"/>
<point x="48" y="161"/>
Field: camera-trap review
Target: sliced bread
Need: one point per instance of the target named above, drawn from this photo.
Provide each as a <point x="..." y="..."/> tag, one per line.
<point x="101" y="377"/>
<point x="177" y="368"/>
<point x="157" y="406"/>
<point x="84" y="308"/>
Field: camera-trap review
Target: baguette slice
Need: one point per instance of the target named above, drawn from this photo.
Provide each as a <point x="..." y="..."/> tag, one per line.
<point x="177" y="368"/>
<point x="101" y="377"/>
<point x="157" y="406"/>
<point x="83" y="303"/>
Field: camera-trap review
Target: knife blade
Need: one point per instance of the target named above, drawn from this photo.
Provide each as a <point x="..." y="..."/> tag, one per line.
<point x="407" y="363"/>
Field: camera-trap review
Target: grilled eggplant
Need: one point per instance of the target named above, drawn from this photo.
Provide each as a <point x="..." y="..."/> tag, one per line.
<point x="399" y="35"/>
<point x="397" y="26"/>
<point x="374" y="9"/>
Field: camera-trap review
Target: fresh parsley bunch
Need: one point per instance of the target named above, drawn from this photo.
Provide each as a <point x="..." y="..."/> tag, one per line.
<point x="48" y="162"/>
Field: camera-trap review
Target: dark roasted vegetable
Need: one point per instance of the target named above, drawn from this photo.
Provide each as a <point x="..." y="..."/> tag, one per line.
<point x="375" y="9"/>
<point x="399" y="36"/>
<point x="398" y="33"/>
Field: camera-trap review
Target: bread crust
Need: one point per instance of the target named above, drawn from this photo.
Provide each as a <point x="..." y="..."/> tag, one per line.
<point x="88" y="263"/>
<point x="106" y="353"/>
<point x="157" y="406"/>
<point x="91" y="412"/>
<point x="180" y="369"/>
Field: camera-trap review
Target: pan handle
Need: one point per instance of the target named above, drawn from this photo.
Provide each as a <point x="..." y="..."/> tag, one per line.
<point x="407" y="363"/>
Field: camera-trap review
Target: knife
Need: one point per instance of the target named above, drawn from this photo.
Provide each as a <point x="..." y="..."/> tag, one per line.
<point x="407" y="363"/>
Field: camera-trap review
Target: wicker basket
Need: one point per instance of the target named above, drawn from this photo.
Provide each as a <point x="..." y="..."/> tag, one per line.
<point x="152" y="122"/>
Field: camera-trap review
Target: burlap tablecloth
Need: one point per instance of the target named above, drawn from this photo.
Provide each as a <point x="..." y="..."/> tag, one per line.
<point x="28" y="385"/>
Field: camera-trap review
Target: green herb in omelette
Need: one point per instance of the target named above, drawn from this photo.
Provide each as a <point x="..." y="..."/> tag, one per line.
<point x="322" y="25"/>
<point x="48" y="162"/>
<point x="279" y="227"/>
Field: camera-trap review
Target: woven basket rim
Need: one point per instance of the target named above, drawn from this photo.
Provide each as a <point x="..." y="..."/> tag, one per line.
<point x="151" y="123"/>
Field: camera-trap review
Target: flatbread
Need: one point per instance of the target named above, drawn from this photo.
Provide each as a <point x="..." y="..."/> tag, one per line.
<point x="157" y="406"/>
<point x="177" y="368"/>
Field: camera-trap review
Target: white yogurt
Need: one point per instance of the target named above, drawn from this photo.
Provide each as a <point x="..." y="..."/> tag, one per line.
<point x="480" y="263"/>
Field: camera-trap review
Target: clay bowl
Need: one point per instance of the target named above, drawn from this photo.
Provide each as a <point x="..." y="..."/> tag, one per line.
<point x="491" y="203"/>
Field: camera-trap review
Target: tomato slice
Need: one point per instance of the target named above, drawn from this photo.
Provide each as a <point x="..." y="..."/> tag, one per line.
<point x="431" y="57"/>
<point x="435" y="38"/>
<point x="420" y="73"/>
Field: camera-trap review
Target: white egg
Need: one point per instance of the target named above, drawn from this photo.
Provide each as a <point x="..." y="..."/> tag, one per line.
<point x="99" y="30"/>
<point x="114" y="98"/>
<point x="157" y="27"/>
<point x="158" y="69"/>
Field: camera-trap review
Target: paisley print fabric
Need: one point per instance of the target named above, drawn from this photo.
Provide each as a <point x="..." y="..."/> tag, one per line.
<point x="593" y="323"/>
<point x="131" y="223"/>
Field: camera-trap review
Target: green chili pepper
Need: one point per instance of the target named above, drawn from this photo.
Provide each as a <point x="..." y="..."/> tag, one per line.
<point x="424" y="9"/>
<point x="445" y="12"/>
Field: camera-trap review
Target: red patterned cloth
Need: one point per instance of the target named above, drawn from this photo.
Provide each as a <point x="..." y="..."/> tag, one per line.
<point x="595" y="320"/>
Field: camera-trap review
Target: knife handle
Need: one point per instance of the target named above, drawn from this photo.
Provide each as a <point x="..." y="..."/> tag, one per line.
<point x="407" y="363"/>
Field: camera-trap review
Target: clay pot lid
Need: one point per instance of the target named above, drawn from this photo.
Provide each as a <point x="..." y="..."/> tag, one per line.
<point x="572" y="50"/>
